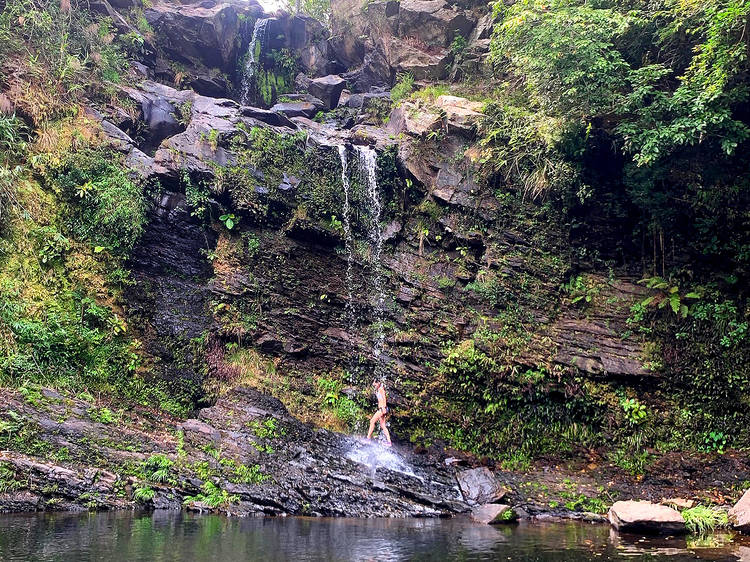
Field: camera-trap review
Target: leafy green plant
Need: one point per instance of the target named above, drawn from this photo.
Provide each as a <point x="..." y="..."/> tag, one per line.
<point x="244" y="474"/>
<point x="635" y="412"/>
<point x="102" y="415"/>
<point x="582" y="289"/>
<point x="253" y="244"/>
<point x="403" y="87"/>
<point x="213" y="496"/>
<point x="143" y="493"/>
<point x="702" y="519"/>
<point x="669" y="294"/>
<point x="633" y="462"/>
<point x="157" y="468"/>
<point x="106" y="207"/>
<point x="8" y="480"/>
<point x="715" y="441"/>
<point x="458" y="44"/>
<point x="185" y="113"/>
<point x="335" y="224"/>
<point x="229" y="220"/>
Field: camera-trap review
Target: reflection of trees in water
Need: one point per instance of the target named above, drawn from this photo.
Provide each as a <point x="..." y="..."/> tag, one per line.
<point x="167" y="536"/>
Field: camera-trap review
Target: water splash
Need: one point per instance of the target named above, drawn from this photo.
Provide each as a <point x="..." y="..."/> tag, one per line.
<point x="368" y="175"/>
<point x="349" y="241"/>
<point x="251" y="62"/>
<point x="374" y="456"/>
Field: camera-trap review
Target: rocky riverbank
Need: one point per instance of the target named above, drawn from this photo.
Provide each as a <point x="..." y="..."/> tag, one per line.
<point x="246" y="450"/>
<point x="247" y="456"/>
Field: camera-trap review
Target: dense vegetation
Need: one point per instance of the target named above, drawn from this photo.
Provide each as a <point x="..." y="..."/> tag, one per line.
<point x="618" y="130"/>
<point x="637" y="113"/>
<point x="70" y="212"/>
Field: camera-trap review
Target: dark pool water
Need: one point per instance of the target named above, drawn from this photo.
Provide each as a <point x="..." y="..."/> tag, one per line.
<point x="178" y="536"/>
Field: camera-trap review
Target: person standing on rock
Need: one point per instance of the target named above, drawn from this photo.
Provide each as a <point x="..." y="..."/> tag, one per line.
<point x="383" y="412"/>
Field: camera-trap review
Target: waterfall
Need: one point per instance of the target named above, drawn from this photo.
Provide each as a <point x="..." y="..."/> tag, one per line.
<point x="254" y="51"/>
<point x="368" y="175"/>
<point x="349" y="241"/>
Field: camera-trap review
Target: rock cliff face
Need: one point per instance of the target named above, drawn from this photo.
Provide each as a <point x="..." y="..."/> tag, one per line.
<point x="331" y="236"/>
<point x="462" y="266"/>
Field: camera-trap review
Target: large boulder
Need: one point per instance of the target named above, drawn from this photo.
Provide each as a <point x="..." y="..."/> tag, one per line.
<point x="646" y="517"/>
<point x="423" y="62"/>
<point x="433" y="22"/>
<point x="414" y="120"/>
<point x="328" y="89"/>
<point x="374" y="72"/>
<point x="411" y="35"/>
<point x="204" y="38"/>
<point x="739" y="515"/>
<point x="307" y="38"/>
<point x="493" y="514"/>
<point x="462" y="115"/>
<point x="296" y="109"/>
<point x="479" y="485"/>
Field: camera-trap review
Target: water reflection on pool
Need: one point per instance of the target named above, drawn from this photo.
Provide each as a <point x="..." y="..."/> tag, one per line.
<point x="167" y="536"/>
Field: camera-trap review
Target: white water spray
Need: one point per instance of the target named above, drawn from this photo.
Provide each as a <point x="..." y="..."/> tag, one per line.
<point x="375" y="456"/>
<point x="368" y="174"/>
<point x="349" y="241"/>
<point x="251" y="63"/>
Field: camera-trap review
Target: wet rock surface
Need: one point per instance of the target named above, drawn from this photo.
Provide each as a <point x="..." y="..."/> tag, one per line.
<point x="307" y="471"/>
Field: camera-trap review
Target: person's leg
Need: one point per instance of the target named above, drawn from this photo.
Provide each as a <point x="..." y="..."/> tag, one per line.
<point x="373" y="420"/>
<point x="384" y="429"/>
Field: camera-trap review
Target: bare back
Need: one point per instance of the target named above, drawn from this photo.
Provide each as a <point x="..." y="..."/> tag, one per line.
<point x="380" y="395"/>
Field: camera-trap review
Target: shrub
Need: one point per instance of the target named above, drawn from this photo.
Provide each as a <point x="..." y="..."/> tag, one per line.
<point x="143" y="494"/>
<point x="403" y="87"/>
<point x="213" y="496"/>
<point x="106" y="207"/>
<point x="701" y="519"/>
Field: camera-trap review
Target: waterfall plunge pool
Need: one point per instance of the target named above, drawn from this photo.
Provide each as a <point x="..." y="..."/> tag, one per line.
<point x="180" y="536"/>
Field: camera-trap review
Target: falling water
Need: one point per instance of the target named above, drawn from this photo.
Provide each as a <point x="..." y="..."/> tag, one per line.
<point x="368" y="173"/>
<point x="349" y="239"/>
<point x="251" y="63"/>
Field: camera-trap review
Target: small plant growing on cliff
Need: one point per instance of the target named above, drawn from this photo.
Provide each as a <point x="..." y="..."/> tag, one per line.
<point x="635" y="412"/>
<point x="335" y="224"/>
<point x="253" y="244"/>
<point x="102" y="415"/>
<point x="229" y="220"/>
<point x="8" y="481"/>
<point x="143" y="493"/>
<point x="458" y="44"/>
<point x="157" y="467"/>
<point x="715" y="441"/>
<point x="184" y="112"/>
<point x="244" y="474"/>
<point x="212" y="138"/>
<point x="582" y="290"/>
<point x="668" y="294"/>
<point x="198" y="196"/>
<point x="403" y="87"/>
<point x="52" y="245"/>
<point x="213" y="496"/>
